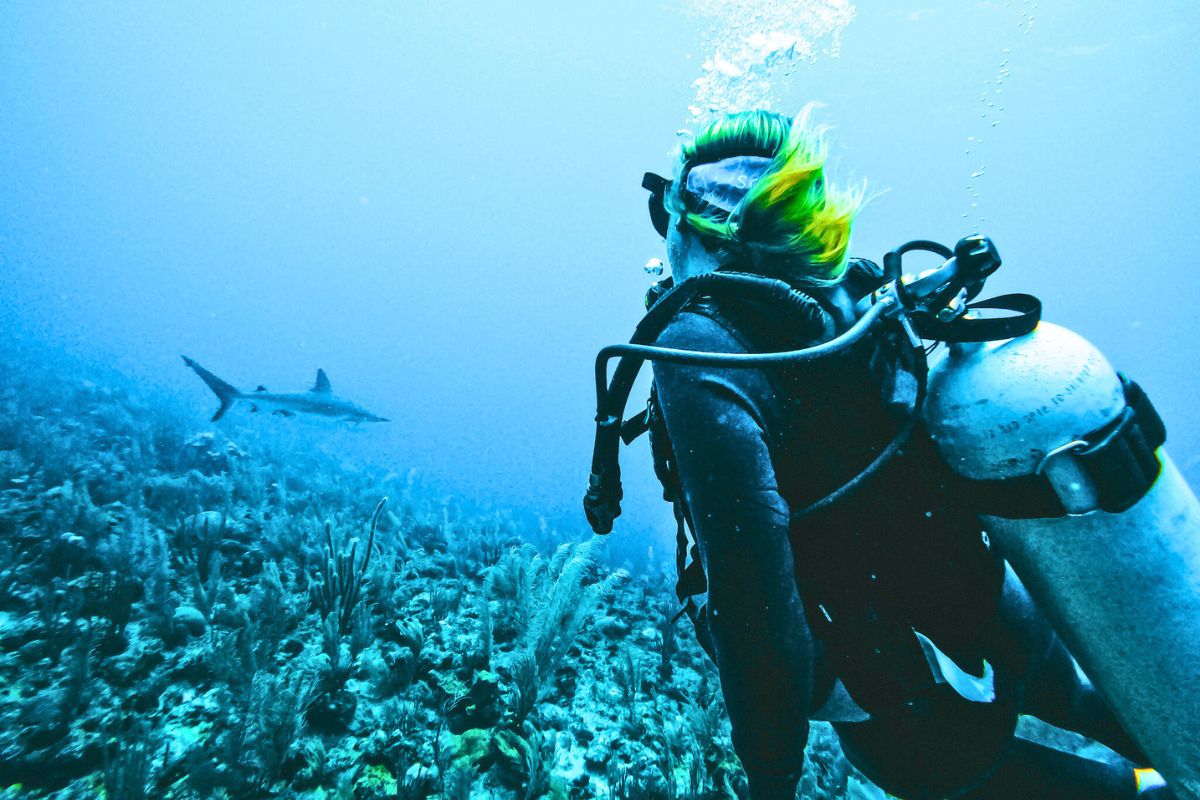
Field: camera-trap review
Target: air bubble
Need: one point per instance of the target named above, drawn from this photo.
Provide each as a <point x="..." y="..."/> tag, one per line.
<point x="753" y="48"/>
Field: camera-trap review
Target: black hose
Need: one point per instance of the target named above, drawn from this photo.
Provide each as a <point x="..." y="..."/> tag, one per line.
<point x="669" y="355"/>
<point x="887" y="454"/>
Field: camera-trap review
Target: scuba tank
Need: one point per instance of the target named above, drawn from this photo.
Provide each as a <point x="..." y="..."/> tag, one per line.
<point x="1060" y="455"/>
<point x="1064" y="456"/>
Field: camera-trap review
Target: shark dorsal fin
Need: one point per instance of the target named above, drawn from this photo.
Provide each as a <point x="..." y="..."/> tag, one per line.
<point x="322" y="384"/>
<point x="260" y="389"/>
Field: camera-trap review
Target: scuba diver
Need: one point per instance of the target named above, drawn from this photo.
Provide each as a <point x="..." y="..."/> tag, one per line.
<point x="847" y="577"/>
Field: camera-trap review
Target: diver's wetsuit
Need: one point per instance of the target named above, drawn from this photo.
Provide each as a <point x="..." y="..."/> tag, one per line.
<point x="751" y="446"/>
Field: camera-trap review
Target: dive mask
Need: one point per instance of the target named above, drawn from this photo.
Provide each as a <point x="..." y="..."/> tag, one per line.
<point x="721" y="184"/>
<point x="658" y="186"/>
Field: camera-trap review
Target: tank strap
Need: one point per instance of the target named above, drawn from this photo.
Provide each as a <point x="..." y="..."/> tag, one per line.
<point x="1118" y="461"/>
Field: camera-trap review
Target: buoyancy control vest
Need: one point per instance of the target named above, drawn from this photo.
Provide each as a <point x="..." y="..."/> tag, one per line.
<point x="897" y="558"/>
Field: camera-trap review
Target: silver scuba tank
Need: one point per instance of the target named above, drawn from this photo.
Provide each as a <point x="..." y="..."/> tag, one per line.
<point x="1121" y="586"/>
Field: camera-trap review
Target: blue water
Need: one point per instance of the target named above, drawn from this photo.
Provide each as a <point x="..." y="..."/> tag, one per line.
<point x="439" y="203"/>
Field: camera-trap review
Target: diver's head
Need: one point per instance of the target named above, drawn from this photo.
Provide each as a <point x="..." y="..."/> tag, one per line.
<point x="750" y="189"/>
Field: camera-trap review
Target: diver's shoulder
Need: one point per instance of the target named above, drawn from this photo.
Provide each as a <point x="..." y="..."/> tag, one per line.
<point x="700" y="327"/>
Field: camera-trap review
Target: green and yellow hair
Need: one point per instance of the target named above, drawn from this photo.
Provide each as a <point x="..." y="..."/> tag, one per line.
<point x="791" y="224"/>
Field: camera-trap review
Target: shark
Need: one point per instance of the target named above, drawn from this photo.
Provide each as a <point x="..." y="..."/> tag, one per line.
<point x="318" y="401"/>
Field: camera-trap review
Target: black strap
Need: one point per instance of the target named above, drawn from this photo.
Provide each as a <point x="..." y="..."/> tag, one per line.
<point x="691" y="580"/>
<point x="1029" y="497"/>
<point x="1125" y="464"/>
<point x="1024" y="497"/>
<point x="1119" y="459"/>
<point x="635" y="426"/>
<point x="698" y="614"/>
<point x="1027" y="313"/>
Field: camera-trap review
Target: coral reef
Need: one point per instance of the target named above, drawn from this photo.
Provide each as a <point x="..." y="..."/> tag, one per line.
<point x="183" y="615"/>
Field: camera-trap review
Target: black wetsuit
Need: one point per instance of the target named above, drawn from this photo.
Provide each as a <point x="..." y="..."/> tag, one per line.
<point x="796" y="604"/>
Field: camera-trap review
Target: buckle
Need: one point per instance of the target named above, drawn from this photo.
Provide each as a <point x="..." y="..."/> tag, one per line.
<point x="1068" y="480"/>
<point x="1113" y="467"/>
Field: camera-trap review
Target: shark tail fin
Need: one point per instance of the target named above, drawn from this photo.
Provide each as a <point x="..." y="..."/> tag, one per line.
<point x="225" y="392"/>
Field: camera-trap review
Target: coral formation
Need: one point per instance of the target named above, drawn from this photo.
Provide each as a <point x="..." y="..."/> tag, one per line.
<point x="183" y="615"/>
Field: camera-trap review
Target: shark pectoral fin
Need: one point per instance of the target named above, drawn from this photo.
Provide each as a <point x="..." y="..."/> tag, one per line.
<point x="253" y="408"/>
<point x="981" y="689"/>
<point x="260" y="389"/>
<point x="322" y="385"/>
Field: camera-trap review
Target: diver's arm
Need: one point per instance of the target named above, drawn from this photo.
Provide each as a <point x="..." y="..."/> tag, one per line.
<point x="717" y="421"/>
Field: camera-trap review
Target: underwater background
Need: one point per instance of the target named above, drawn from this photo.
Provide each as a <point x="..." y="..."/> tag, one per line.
<point x="439" y="205"/>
